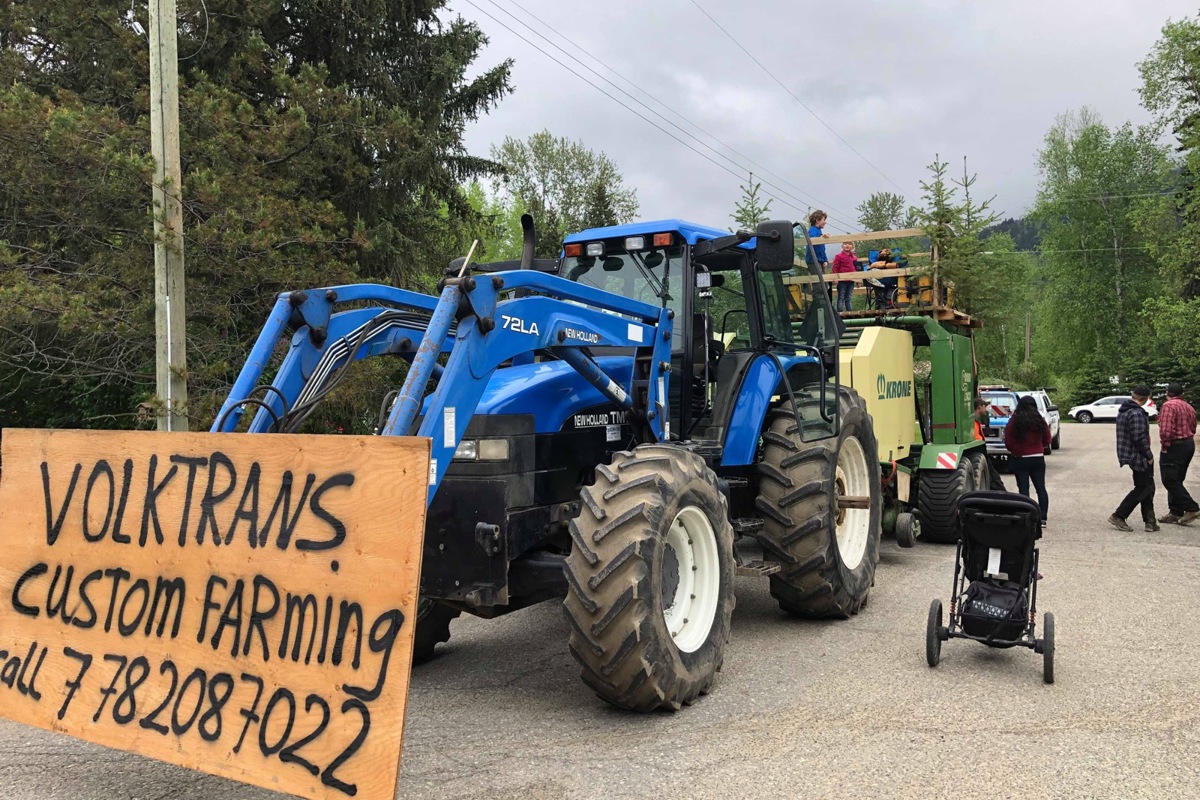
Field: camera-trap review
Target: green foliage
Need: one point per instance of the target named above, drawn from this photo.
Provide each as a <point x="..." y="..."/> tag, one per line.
<point x="1096" y="267"/>
<point x="1093" y="380"/>
<point x="1176" y="324"/>
<point x="884" y="211"/>
<point x="1170" y="75"/>
<point x="1024" y="233"/>
<point x="984" y="281"/>
<point x="317" y="147"/>
<point x="564" y="185"/>
<point x="1171" y="92"/>
<point x="750" y="209"/>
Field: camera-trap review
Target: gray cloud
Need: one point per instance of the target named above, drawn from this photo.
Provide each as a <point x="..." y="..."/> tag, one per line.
<point x="898" y="81"/>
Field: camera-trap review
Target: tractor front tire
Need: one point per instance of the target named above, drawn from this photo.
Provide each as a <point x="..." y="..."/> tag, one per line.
<point x="938" y="492"/>
<point x="433" y="628"/>
<point x="650" y="579"/>
<point x="828" y="554"/>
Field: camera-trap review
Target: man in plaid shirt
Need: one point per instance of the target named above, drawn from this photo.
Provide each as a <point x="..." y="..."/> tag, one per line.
<point x="1133" y="449"/>
<point x="1177" y="433"/>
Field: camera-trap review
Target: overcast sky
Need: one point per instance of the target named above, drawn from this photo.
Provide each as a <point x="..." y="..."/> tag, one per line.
<point x="897" y="81"/>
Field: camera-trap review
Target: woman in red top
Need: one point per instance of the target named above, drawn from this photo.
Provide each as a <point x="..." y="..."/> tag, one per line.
<point x="1027" y="437"/>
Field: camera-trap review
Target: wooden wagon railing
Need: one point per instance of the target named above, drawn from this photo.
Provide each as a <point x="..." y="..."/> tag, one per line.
<point x="920" y="289"/>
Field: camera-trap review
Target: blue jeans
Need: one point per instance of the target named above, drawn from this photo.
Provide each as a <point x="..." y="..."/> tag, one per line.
<point x="1026" y="468"/>
<point x="845" y="293"/>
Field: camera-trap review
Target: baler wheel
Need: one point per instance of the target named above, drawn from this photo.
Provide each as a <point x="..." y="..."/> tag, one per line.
<point x="938" y="492"/>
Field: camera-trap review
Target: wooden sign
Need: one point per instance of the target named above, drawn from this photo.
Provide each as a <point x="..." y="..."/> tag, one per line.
<point x="238" y="604"/>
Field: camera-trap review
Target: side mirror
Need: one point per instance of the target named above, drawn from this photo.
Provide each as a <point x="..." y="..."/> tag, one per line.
<point x="775" y="246"/>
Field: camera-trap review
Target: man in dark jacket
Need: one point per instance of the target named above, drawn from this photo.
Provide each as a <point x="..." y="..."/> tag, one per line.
<point x="1133" y="450"/>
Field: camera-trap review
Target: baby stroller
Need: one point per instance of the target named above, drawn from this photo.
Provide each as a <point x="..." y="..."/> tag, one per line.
<point x="995" y="579"/>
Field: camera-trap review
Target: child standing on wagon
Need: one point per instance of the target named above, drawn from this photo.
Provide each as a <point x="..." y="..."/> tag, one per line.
<point x="844" y="262"/>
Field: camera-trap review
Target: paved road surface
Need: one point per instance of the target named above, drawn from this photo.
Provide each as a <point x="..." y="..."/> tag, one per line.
<point x="802" y="709"/>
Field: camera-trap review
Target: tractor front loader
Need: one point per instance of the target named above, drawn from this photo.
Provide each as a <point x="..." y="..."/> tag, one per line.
<point x="604" y="427"/>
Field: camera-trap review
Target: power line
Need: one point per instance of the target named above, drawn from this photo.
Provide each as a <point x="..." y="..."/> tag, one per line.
<point x="634" y="111"/>
<point x="802" y="203"/>
<point x="580" y="49"/>
<point x="1055" y="252"/>
<point x="1115" y="196"/>
<point x="797" y="99"/>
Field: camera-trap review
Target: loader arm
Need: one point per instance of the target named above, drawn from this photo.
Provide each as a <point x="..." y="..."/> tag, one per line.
<point x="480" y="330"/>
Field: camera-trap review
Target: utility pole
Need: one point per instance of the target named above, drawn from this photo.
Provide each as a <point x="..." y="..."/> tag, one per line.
<point x="1028" y="336"/>
<point x="170" y="315"/>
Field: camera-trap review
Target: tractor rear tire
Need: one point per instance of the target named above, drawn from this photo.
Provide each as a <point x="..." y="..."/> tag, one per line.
<point x="938" y="492"/>
<point x="433" y="628"/>
<point x="828" y="555"/>
<point x="650" y="579"/>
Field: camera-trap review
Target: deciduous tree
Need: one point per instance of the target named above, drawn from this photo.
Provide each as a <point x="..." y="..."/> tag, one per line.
<point x="564" y="185"/>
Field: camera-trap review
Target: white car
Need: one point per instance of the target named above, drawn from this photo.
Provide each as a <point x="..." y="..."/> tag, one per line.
<point x="1049" y="412"/>
<point x="1106" y="408"/>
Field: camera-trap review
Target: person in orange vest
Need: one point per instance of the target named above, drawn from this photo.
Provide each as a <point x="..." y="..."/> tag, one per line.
<point x="982" y="422"/>
<point x="981" y="415"/>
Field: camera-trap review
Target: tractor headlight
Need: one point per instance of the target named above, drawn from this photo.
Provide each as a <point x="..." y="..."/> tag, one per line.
<point x="493" y="449"/>
<point x="595" y="249"/>
<point x="635" y="243"/>
<point x="482" y="450"/>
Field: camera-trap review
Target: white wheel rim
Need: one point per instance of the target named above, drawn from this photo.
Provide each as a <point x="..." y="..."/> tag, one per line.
<point x="853" y="524"/>
<point x="690" y="609"/>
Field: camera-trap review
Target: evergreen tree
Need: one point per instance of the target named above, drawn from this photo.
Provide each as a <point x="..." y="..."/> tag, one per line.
<point x="751" y="209"/>
<point x="318" y="146"/>
<point x="986" y="278"/>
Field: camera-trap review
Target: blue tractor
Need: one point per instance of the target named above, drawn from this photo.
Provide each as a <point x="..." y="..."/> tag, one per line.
<point x="627" y="427"/>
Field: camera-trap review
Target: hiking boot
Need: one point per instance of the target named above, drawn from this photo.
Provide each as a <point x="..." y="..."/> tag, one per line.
<point x="1188" y="517"/>
<point x="1152" y="527"/>
<point x="1119" y="523"/>
<point x="1170" y="519"/>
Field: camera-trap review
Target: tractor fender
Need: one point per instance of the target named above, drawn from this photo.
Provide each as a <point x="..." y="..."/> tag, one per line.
<point x="761" y="381"/>
<point x="931" y="454"/>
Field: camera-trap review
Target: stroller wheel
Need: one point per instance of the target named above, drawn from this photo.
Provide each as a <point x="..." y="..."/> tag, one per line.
<point x="1048" y="648"/>
<point x="933" y="639"/>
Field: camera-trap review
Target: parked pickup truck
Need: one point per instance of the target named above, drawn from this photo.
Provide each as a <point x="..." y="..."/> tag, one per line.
<point x="1001" y="405"/>
<point x="1049" y="412"/>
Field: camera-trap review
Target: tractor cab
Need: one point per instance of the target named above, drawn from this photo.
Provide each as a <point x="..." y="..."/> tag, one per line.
<point x="731" y="308"/>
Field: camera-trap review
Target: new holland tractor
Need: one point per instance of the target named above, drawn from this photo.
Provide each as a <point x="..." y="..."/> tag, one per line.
<point x="604" y="428"/>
